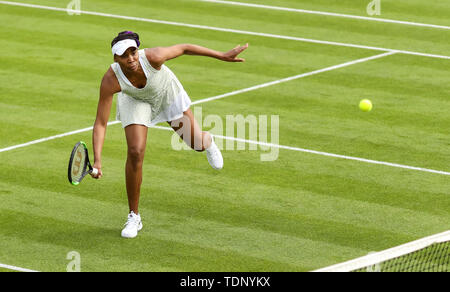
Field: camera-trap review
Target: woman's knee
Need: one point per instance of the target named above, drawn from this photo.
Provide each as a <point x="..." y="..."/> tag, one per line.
<point x="202" y="142"/>
<point x="136" y="140"/>
<point x="136" y="154"/>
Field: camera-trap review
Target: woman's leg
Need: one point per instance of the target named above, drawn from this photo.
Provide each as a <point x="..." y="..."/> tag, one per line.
<point x="136" y="140"/>
<point x="189" y="130"/>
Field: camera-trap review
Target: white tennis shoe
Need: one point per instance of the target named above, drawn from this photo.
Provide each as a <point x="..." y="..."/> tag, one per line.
<point x="214" y="156"/>
<point x="133" y="225"/>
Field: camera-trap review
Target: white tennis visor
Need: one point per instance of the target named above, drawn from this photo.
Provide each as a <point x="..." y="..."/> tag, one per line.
<point x="120" y="47"/>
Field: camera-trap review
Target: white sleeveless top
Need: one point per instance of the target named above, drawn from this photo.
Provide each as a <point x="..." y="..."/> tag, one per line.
<point x="161" y="90"/>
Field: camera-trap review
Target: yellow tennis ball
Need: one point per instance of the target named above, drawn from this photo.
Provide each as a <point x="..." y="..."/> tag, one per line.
<point x="365" y="105"/>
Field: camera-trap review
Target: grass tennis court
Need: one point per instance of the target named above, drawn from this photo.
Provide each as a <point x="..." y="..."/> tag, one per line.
<point x="298" y="213"/>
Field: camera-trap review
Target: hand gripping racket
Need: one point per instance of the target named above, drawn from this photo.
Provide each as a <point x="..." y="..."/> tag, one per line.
<point x="79" y="165"/>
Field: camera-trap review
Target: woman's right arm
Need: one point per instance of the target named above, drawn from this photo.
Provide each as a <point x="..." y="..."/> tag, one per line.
<point x="108" y="88"/>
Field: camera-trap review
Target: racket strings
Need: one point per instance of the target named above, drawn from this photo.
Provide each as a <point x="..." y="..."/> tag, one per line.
<point x="78" y="164"/>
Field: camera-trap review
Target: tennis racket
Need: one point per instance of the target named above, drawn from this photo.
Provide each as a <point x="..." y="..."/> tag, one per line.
<point x="79" y="165"/>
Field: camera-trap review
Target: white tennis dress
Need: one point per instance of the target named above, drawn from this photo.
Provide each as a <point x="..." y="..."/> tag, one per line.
<point x="162" y="99"/>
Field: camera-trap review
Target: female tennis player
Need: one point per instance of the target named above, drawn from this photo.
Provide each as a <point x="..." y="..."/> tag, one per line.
<point x="149" y="93"/>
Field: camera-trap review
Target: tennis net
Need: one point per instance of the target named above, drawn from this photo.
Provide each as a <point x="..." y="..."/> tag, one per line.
<point x="430" y="254"/>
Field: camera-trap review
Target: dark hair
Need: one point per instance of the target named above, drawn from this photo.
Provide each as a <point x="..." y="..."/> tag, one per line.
<point x="124" y="35"/>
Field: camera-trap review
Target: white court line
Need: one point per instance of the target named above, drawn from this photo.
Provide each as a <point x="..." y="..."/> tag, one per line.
<point x="328" y="14"/>
<point x="321" y="153"/>
<point x="212" y="98"/>
<point x="51" y="138"/>
<point x="261" y="143"/>
<point x="228" y="30"/>
<point x="294" y="77"/>
<point x="15" y="268"/>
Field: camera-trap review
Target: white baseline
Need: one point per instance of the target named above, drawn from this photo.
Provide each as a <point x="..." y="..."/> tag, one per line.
<point x="228" y="30"/>
<point x="327" y="13"/>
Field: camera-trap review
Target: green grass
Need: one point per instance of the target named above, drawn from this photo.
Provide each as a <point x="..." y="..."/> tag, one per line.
<point x="298" y="213"/>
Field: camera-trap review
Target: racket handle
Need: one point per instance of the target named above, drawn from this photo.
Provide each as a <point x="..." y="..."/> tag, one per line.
<point x="94" y="171"/>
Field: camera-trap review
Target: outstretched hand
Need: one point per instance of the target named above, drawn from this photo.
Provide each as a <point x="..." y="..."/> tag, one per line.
<point x="231" y="56"/>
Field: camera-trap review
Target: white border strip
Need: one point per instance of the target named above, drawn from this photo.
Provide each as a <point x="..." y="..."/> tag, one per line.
<point x="327" y="14"/>
<point x="8" y="267"/>
<point x="375" y="258"/>
<point x="228" y="30"/>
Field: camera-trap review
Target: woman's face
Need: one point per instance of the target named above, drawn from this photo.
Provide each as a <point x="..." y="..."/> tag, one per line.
<point x="129" y="60"/>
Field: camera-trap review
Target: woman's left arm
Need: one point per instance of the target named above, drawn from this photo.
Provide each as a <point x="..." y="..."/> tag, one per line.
<point x="157" y="56"/>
